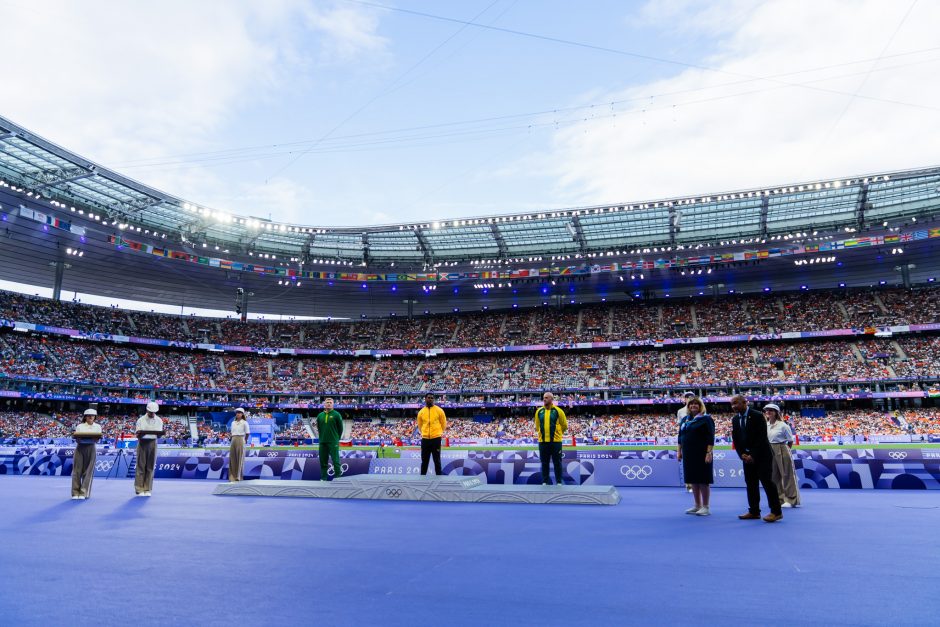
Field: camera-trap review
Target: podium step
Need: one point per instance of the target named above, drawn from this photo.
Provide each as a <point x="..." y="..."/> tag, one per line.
<point x="417" y="488"/>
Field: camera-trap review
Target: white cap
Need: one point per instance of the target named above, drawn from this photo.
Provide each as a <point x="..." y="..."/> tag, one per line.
<point x="153" y="407"/>
<point x="90" y="412"/>
<point x="772" y="406"/>
<point x="240" y="410"/>
<point x="688" y="394"/>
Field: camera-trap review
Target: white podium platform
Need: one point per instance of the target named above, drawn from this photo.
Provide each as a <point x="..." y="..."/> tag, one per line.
<point x="430" y="488"/>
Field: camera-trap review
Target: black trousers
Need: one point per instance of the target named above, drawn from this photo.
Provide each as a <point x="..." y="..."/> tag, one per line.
<point x="551" y="451"/>
<point x="761" y="471"/>
<point x="431" y="447"/>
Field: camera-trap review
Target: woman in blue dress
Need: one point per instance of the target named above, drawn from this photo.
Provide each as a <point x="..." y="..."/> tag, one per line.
<point x="696" y="441"/>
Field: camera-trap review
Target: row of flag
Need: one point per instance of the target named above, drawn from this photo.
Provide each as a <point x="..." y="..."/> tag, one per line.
<point x="551" y="271"/>
<point x="45" y="218"/>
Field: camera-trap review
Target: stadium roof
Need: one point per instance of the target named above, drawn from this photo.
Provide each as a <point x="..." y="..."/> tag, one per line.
<point x="118" y="201"/>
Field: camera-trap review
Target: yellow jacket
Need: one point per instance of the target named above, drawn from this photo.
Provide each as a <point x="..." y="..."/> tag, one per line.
<point x="543" y="424"/>
<point x="432" y="422"/>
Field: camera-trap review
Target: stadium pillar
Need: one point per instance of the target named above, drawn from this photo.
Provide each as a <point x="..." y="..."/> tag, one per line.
<point x="906" y="275"/>
<point x="57" y="285"/>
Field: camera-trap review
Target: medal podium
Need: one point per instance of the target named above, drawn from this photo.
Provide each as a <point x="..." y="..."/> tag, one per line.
<point x="453" y="489"/>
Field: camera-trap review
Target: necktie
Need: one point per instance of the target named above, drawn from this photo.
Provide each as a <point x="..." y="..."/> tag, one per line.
<point x="744" y="428"/>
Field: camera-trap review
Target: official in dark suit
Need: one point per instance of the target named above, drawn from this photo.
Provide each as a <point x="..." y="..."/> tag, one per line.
<point x="749" y="435"/>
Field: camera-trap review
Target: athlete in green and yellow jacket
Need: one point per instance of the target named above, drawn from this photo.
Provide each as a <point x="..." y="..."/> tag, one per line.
<point x="329" y="432"/>
<point x="550" y="427"/>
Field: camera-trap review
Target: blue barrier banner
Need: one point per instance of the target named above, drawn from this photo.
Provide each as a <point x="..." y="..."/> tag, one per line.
<point x="860" y="468"/>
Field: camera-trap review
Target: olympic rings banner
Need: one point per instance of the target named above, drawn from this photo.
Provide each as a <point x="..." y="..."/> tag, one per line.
<point x="859" y="468"/>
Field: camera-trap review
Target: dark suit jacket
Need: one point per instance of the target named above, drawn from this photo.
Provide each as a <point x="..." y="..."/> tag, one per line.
<point x="755" y="441"/>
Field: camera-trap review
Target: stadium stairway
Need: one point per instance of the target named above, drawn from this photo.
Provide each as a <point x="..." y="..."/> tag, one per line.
<point x="308" y="426"/>
<point x="900" y="351"/>
<point x="880" y="303"/>
<point x="845" y="312"/>
<point x="193" y="427"/>
<point x="857" y="353"/>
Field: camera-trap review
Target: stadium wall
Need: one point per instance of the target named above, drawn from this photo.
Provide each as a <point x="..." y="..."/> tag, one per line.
<point x="861" y="468"/>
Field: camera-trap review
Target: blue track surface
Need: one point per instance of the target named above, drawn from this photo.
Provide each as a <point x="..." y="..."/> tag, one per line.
<point x="187" y="557"/>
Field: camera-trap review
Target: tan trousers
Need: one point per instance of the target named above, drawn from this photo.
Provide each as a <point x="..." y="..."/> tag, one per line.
<point x="146" y="461"/>
<point x="83" y="469"/>
<point x="236" y="458"/>
<point x="784" y="474"/>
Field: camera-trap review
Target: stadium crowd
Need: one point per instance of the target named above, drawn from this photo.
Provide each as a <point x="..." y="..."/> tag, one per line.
<point x="34" y="357"/>
<point x="596" y="428"/>
<point x="703" y="316"/>
<point x="651" y="426"/>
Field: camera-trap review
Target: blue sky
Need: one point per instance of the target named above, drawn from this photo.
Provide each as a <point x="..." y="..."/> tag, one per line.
<point x="793" y="90"/>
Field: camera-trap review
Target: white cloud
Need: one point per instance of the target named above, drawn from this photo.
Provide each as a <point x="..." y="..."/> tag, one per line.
<point x="350" y="32"/>
<point x="687" y="134"/>
<point x="117" y="81"/>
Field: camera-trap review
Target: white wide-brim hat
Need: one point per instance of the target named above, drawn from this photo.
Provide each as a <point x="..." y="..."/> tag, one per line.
<point x="241" y="410"/>
<point x="90" y="412"/>
<point x="773" y="406"/>
<point x="152" y="406"/>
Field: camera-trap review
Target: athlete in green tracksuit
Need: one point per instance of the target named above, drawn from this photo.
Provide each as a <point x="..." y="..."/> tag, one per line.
<point x="329" y="431"/>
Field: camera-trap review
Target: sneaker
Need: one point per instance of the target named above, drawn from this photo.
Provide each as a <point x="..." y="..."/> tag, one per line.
<point x="75" y="498"/>
<point x="147" y="494"/>
<point x="80" y="498"/>
<point x="786" y="505"/>
<point x="773" y="517"/>
<point x="704" y="512"/>
<point x="693" y="510"/>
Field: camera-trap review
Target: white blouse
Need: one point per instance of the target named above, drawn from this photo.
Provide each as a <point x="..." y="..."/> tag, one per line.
<point x="84" y="427"/>
<point x="779" y="432"/>
<point x="240" y="427"/>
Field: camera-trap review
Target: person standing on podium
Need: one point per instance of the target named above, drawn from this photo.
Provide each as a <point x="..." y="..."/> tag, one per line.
<point x="149" y="428"/>
<point x="329" y="433"/>
<point x="236" y="450"/>
<point x="86" y="435"/>
<point x="431" y="423"/>
<point x="550" y="426"/>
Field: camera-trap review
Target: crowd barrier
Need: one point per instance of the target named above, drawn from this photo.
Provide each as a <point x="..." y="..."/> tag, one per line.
<point x="859" y="468"/>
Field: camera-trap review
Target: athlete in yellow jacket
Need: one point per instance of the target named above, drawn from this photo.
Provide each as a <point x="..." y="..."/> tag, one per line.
<point x="431" y="423"/>
<point x="550" y="427"/>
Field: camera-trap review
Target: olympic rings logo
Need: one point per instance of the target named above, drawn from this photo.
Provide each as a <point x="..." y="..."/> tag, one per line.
<point x="103" y="466"/>
<point x="636" y="472"/>
<point x="719" y="455"/>
<point x="332" y="469"/>
<point x="897" y="454"/>
<point x="393" y="492"/>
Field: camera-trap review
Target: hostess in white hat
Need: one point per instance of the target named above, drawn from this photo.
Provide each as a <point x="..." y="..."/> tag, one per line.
<point x="153" y="407"/>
